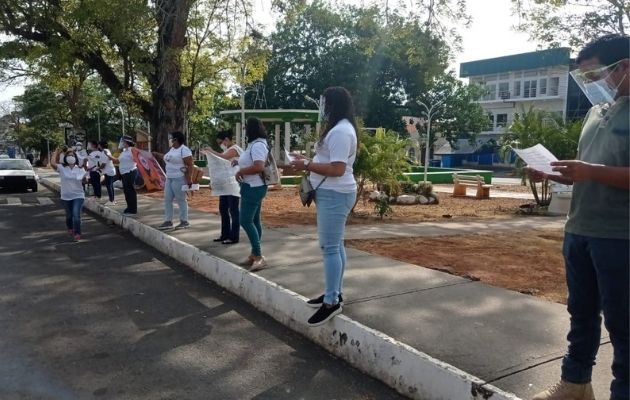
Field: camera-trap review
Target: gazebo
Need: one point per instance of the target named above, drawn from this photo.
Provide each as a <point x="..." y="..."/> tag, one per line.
<point x="308" y="118"/>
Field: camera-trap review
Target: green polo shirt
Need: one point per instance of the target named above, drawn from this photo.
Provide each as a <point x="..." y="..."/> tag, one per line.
<point x="599" y="210"/>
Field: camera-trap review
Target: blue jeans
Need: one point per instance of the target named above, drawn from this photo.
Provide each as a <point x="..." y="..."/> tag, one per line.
<point x="230" y="223"/>
<point x="597" y="278"/>
<point x="73" y="214"/>
<point x="173" y="190"/>
<point x="109" y="184"/>
<point x="332" y="212"/>
<point x="251" y="203"/>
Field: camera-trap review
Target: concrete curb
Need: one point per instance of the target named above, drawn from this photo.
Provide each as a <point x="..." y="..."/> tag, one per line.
<point x="407" y="370"/>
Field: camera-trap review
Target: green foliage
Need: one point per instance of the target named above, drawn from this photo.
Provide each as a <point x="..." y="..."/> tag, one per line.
<point x="39" y="106"/>
<point x="380" y="160"/>
<point x="555" y="23"/>
<point x="150" y="55"/>
<point x="382" y="207"/>
<point x="381" y="59"/>
<point x="459" y="116"/>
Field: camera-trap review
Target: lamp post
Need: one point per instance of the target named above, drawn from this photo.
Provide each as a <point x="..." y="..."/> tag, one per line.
<point x="241" y="137"/>
<point x="122" y="113"/>
<point x="429" y="112"/>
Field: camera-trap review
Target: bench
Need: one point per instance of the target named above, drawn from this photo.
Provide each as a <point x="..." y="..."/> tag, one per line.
<point x="462" y="182"/>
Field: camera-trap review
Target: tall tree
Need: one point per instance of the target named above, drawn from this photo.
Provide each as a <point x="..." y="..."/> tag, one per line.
<point x="458" y="115"/>
<point x="41" y="110"/>
<point x="382" y="59"/>
<point x="557" y="23"/>
<point x="137" y="47"/>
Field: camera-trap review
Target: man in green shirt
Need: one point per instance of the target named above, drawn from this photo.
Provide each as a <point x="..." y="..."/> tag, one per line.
<point x="596" y="244"/>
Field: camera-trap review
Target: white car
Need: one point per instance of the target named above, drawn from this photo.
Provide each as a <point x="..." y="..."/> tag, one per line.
<point x="17" y="174"/>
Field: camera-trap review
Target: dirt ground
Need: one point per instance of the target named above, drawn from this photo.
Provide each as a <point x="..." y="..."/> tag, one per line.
<point x="529" y="262"/>
<point x="282" y="208"/>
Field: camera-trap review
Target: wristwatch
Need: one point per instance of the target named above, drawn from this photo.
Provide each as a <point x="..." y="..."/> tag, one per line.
<point x="306" y="163"/>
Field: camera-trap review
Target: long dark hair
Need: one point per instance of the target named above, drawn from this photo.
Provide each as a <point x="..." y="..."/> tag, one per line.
<point x="254" y="129"/>
<point x="338" y="105"/>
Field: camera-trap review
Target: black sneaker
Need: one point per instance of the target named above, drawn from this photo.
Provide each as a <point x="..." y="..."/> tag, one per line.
<point x="316" y="303"/>
<point x="165" y="225"/>
<point x="183" y="225"/>
<point x="324" y="314"/>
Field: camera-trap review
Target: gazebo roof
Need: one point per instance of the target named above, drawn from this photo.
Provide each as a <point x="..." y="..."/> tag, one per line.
<point x="278" y="115"/>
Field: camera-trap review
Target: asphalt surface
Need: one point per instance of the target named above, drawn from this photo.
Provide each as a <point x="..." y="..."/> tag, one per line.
<point x="111" y="318"/>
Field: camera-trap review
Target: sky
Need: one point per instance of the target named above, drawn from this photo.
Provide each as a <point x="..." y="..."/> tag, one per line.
<point x="490" y="34"/>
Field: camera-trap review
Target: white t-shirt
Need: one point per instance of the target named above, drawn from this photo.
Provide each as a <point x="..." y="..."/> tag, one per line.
<point x="127" y="164"/>
<point x="109" y="168"/>
<point x="339" y="145"/>
<point x="95" y="158"/>
<point x="174" y="160"/>
<point x="81" y="156"/>
<point x="71" y="185"/>
<point x="256" y="151"/>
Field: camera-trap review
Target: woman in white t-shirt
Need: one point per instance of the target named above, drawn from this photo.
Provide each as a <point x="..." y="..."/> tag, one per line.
<point x="129" y="173"/>
<point x="94" y="159"/>
<point x="179" y="168"/>
<point x="72" y="196"/>
<point x="336" y="190"/>
<point x="108" y="170"/>
<point x="253" y="189"/>
<point x="228" y="203"/>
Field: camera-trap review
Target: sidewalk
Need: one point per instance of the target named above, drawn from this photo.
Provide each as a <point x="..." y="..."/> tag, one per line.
<point x="507" y="339"/>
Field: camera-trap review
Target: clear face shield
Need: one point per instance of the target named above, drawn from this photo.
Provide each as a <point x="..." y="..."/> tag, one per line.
<point x="595" y="83"/>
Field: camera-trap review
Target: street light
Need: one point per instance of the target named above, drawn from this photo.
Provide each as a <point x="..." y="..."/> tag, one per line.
<point x="122" y="113"/>
<point x="429" y="112"/>
<point x="318" y="104"/>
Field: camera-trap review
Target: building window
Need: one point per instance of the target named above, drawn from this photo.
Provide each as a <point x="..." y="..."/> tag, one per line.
<point x="529" y="89"/>
<point x="517" y="89"/>
<point x="542" y="89"/>
<point x="490" y="122"/>
<point x="489" y="78"/>
<point x="518" y="74"/>
<point x="554" y="84"/>
<point x="528" y="74"/>
<point x="501" y="120"/>
<point x="504" y="90"/>
<point x="504" y="76"/>
<point x="491" y="92"/>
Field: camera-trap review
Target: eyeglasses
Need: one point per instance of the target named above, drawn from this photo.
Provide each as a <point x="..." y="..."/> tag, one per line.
<point x="596" y="74"/>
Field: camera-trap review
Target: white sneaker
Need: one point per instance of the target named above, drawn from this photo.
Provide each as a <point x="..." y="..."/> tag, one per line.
<point x="110" y="203"/>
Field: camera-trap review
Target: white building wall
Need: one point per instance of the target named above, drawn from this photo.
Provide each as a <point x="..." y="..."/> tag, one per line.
<point x="519" y="96"/>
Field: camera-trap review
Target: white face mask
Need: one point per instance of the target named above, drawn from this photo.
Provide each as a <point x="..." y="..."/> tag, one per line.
<point x="70" y="160"/>
<point x="79" y="148"/>
<point x="223" y="147"/>
<point x="597" y="91"/>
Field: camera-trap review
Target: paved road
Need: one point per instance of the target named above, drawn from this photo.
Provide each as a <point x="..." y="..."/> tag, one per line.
<point x="110" y="318"/>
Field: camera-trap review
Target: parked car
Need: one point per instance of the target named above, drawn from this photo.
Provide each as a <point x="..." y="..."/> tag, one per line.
<point x="17" y="174"/>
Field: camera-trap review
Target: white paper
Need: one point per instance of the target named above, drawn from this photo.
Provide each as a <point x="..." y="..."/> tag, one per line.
<point x="222" y="176"/>
<point x="288" y="156"/>
<point x="538" y="158"/>
<point x="194" y="187"/>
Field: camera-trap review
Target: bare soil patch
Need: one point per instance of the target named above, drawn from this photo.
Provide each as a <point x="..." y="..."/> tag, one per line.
<point x="529" y="262"/>
<point x="282" y="208"/>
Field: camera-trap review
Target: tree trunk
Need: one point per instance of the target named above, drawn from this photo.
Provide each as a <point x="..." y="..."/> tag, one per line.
<point x="171" y="101"/>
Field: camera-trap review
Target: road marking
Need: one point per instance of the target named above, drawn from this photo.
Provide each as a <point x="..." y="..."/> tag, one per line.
<point x="45" y="201"/>
<point x="14" y="201"/>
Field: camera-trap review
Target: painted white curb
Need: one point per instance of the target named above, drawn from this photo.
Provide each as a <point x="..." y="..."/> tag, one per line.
<point x="407" y="370"/>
